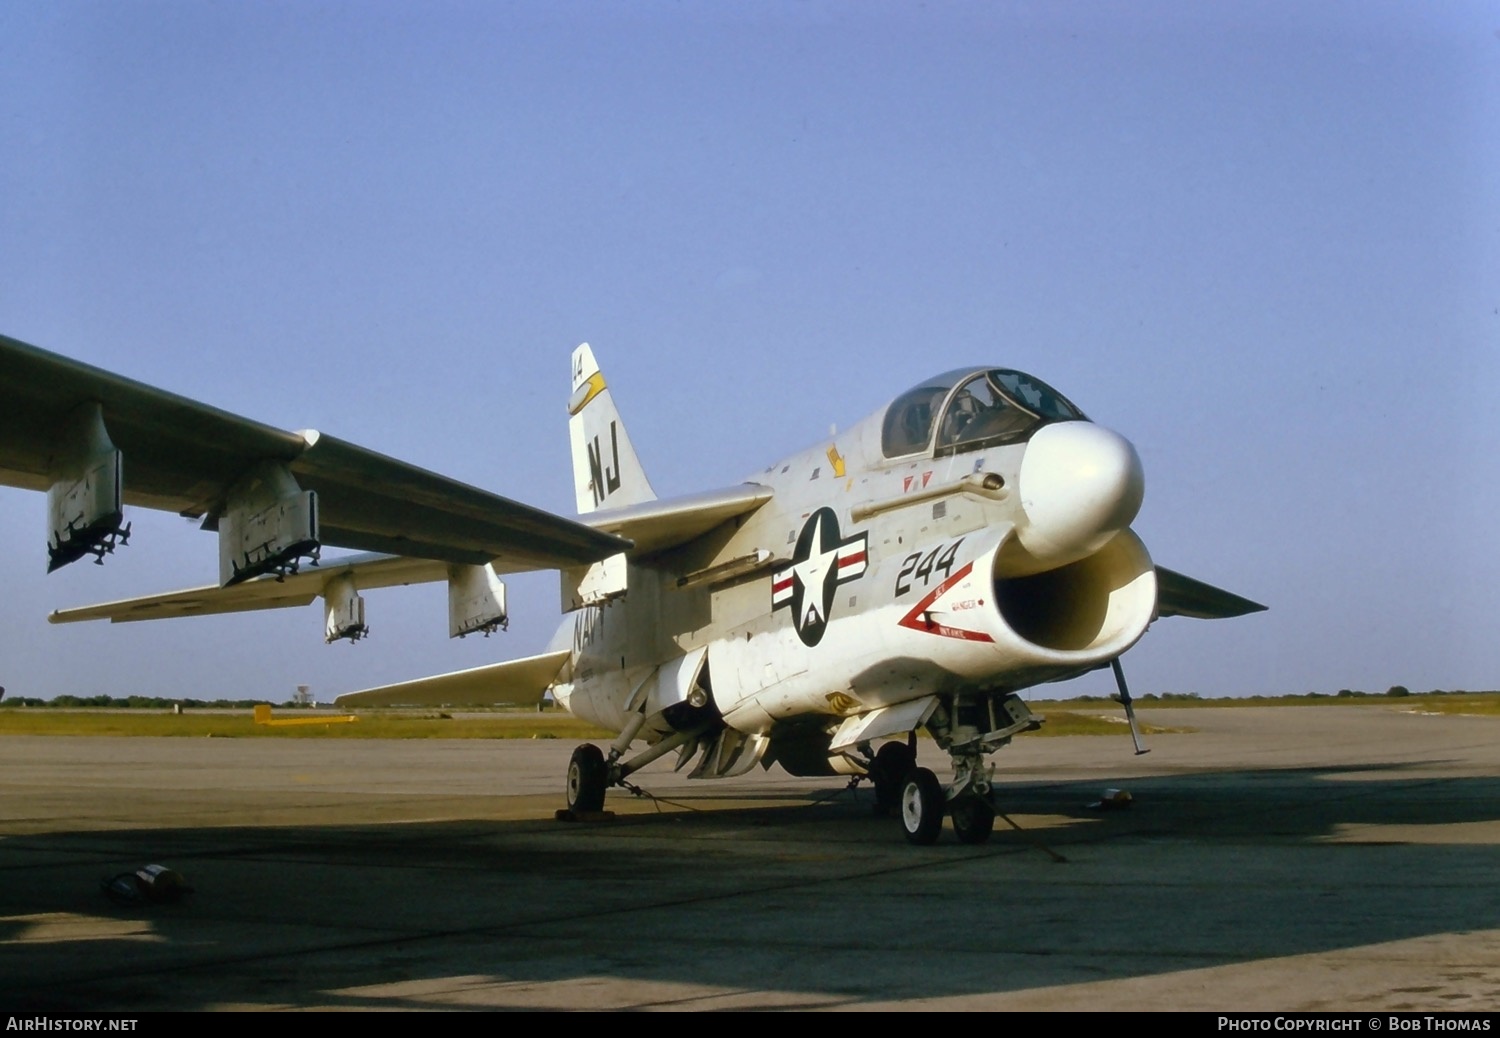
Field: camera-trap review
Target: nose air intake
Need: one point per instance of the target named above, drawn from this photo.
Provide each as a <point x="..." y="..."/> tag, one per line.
<point x="1092" y="609"/>
<point x="1073" y="581"/>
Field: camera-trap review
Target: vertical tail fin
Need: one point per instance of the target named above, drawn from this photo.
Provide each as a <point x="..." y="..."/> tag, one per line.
<point x="606" y="472"/>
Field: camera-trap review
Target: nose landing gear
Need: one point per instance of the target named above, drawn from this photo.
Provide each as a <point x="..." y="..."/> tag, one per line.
<point x="922" y="807"/>
<point x="923" y="804"/>
<point x="973" y="819"/>
<point x="970" y="728"/>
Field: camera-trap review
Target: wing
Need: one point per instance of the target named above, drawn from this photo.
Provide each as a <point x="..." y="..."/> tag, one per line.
<point x="514" y="681"/>
<point x="651" y="527"/>
<point x="59" y="418"/>
<point x="1178" y="595"/>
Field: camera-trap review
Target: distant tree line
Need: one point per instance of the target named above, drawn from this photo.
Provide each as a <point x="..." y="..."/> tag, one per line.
<point x="1395" y="691"/>
<point x="140" y="702"/>
<point x="163" y="703"/>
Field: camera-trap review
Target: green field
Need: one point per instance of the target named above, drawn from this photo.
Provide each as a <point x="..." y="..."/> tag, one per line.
<point x="394" y="724"/>
<point x="1452" y="702"/>
<point x="1072" y="722"/>
<point x="1063" y="717"/>
<point x="1476" y="704"/>
<point x="238" y="724"/>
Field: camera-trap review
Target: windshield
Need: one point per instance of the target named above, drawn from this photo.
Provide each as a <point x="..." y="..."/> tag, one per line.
<point x="1000" y="406"/>
<point x="988" y="408"/>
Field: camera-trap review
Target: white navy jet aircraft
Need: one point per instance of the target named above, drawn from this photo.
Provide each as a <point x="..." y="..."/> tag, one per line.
<point x="967" y="541"/>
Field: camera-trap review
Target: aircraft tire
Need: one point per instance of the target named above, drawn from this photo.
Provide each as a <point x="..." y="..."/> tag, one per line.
<point x="587" y="779"/>
<point x="922" y="807"/>
<point x="973" y="820"/>
<point x="892" y="763"/>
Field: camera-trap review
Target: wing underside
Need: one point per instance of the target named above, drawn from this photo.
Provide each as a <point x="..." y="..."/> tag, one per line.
<point x="299" y="589"/>
<point x="652" y="527"/>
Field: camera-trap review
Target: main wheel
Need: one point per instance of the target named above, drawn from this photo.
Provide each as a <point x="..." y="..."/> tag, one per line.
<point x="587" y="779"/>
<point x="922" y="807"/>
<point x="973" y="820"/>
<point x="892" y="763"/>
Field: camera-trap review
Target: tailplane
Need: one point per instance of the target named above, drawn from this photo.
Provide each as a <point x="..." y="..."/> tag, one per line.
<point x="606" y="472"/>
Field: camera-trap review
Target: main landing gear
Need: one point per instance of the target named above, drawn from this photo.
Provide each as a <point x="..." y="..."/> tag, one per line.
<point x="588" y="777"/>
<point x="591" y="773"/>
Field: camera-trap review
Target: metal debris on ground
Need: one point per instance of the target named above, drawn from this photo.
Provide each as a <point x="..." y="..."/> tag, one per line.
<point x="149" y="884"/>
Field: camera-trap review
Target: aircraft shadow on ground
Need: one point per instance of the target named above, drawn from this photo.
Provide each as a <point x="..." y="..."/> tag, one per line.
<point x="822" y="904"/>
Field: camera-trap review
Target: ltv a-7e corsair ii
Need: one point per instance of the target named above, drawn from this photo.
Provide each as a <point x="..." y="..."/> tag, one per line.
<point x="915" y="571"/>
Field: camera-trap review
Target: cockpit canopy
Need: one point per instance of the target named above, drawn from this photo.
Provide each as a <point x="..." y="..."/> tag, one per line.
<point x="969" y="409"/>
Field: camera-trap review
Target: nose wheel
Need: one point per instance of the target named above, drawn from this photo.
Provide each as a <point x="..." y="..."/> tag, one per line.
<point x="973" y="819"/>
<point x="922" y="807"/>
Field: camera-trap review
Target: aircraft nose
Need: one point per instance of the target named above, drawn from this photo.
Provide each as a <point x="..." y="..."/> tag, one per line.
<point x="1080" y="484"/>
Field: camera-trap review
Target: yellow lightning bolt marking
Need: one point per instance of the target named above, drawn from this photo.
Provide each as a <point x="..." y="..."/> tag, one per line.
<point x="586" y="392"/>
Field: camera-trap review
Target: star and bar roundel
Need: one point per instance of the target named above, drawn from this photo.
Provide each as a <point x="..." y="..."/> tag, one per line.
<point x="821" y="562"/>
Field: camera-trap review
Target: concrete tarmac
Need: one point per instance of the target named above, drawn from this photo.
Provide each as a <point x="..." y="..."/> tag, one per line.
<point x="1324" y="858"/>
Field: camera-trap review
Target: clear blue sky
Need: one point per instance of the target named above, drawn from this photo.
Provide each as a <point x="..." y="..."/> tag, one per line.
<point x="1262" y="240"/>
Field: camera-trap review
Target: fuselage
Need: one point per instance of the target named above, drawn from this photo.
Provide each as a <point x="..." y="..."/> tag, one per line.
<point x="972" y="535"/>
